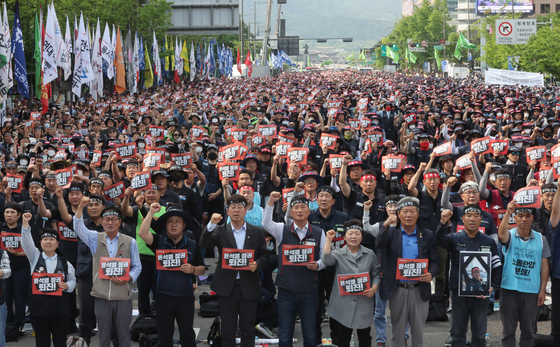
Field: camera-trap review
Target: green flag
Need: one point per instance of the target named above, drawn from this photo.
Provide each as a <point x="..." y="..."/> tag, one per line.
<point x="411" y="57"/>
<point x="462" y="42"/>
<point x="350" y="57"/>
<point x="392" y="54"/>
<point x="362" y="56"/>
<point x="308" y="61"/>
<point x="438" y="60"/>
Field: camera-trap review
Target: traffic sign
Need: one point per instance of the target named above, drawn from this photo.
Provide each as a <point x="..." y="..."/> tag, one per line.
<point x="424" y="43"/>
<point x="438" y="47"/>
<point x="417" y="49"/>
<point x="515" y="31"/>
<point x="442" y="42"/>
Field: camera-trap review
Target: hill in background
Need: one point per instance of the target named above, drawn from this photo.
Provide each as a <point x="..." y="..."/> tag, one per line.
<point x="367" y="21"/>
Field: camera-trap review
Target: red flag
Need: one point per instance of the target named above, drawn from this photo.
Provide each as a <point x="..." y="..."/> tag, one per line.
<point x="176" y="77"/>
<point x="249" y="64"/>
<point x="238" y="61"/>
<point x="45" y="89"/>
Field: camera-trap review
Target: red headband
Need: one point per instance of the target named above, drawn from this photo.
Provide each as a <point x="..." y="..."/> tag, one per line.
<point x="247" y="187"/>
<point x="368" y="177"/>
<point x="431" y="175"/>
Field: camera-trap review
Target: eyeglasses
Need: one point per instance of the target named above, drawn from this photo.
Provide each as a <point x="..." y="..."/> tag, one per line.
<point x="174" y="222"/>
<point x="470" y="192"/>
<point x="309" y="180"/>
<point x="111" y="219"/>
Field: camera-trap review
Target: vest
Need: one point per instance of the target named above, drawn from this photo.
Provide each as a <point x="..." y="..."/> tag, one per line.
<point x="50" y="305"/>
<point x="376" y="212"/>
<point x="176" y="283"/>
<point x="213" y="183"/>
<point x="497" y="205"/>
<point x="299" y="279"/>
<point x="428" y="215"/>
<point x="143" y="249"/>
<point x="105" y="289"/>
<point x="522" y="263"/>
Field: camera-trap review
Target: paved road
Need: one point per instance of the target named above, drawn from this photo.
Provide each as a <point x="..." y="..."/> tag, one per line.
<point x="435" y="333"/>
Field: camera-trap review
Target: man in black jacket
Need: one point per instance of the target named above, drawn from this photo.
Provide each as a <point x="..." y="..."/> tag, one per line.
<point x="175" y="297"/>
<point x="238" y="290"/>
<point x="408" y="299"/>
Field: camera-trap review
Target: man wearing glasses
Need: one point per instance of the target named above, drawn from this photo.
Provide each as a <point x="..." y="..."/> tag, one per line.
<point x="238" y="290"/>
<point x="113" y="297"/>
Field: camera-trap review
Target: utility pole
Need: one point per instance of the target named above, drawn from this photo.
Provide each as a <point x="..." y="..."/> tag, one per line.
<point x="255" y="24"/>
<point x="444" y="37"/>
<point x="278" y="21"/>
<point x="249" y="37"/>
<point x="242" y="30"/>
<point x="266" y="33"/>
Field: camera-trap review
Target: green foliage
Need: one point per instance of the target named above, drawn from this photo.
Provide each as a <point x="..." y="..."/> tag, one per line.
<point x="541" y="54"/>
<point x="141" y="16"/>
<point x="426" y="23"/>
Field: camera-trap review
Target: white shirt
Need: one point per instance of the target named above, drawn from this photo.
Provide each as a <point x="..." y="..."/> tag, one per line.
<point x="277" y="231"/>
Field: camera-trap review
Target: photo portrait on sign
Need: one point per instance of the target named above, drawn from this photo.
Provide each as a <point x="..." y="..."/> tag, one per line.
<point x="475" y="273"/>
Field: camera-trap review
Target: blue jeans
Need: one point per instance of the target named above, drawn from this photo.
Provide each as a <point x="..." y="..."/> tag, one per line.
<point x="289" y="305"/>
<point x="380" y="320"/>
<point x="3" y="316"/>
<point x="463" y="309"/>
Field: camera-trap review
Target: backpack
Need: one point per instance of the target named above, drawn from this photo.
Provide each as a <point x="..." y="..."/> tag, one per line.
<point x="75" y="341"/>
<point x="144" y="324"/>
<point x="209" y="309"/>
<point x="437" y="310"/>
<point x="150" y="340"/>
<point x="215" y="334"/>
<point x="12" y="331"/>
<point x="206" y="297"/>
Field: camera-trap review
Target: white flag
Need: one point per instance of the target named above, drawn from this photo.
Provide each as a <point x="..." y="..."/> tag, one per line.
<point x="135" y="64"/>
<point x="107" y="51"/>
<point x="157" y="61"/>
<point x="82" y="68"/>
<point x="8" y="40"/>
<point x="49" y="50"/>
<point x="193" y="63"/>
<point x="3" y="72"/>
<point x="178" y="59"/>
<point x="96" y="63"/>
<point x="68" y="50"/>
<point x="59" y="42"/>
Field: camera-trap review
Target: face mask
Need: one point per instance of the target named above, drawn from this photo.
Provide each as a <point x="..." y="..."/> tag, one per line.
<point x="375" y="122"/>
<point x="23" y="162"/>
<point x="198" y="150"/>
<point x="176" y="178"/>
<point x="431" y="145"/>
<point x="388" y="109"/>
<point x="527" y="131"/>
<point x="425" y="146"/>
<point x="518" y="144"/>
<point x="141" y="144"/>
<point x="222" y="119"/>
<point x="461" y="136"/>
<point x="47" y="126"/>
<point x="8" y="119"/>
<point x="214" y="120"/>
<point x="547" y="134"/>
<point x="348" y="136"/>
<point x="493" y="133"/>
<point x="286" y="123"/>
<point x="526" y="115"/>
<point x="51" y="152"/>
<point x="499" y="114"/>
<point x="212" y="155"/>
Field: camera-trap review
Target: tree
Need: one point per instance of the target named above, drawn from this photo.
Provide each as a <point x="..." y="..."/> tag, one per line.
<point x="426" y="23"/>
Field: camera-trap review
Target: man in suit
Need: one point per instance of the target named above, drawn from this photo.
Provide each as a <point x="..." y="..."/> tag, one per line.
<point x="238" y="291"/>
<point x="408" y="299"/>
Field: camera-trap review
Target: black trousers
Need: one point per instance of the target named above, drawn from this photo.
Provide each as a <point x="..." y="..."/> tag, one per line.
<point x="146" y="283"/>
<point x="345" y="335"/>
<point x="232" y="306"/>
<point x="169" y="309"/>
<point x="556" y="310"/>
<point x="87" y="308"/>
<point x="325" y="281"/>
<point x="46" y="327"/>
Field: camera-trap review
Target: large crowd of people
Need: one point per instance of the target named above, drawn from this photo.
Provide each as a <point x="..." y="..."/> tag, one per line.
<point x="332" y="195"/>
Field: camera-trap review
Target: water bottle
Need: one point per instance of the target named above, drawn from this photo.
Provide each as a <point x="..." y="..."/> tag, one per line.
<point x="487" y="338"/>
<point x="352" y="341"/>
